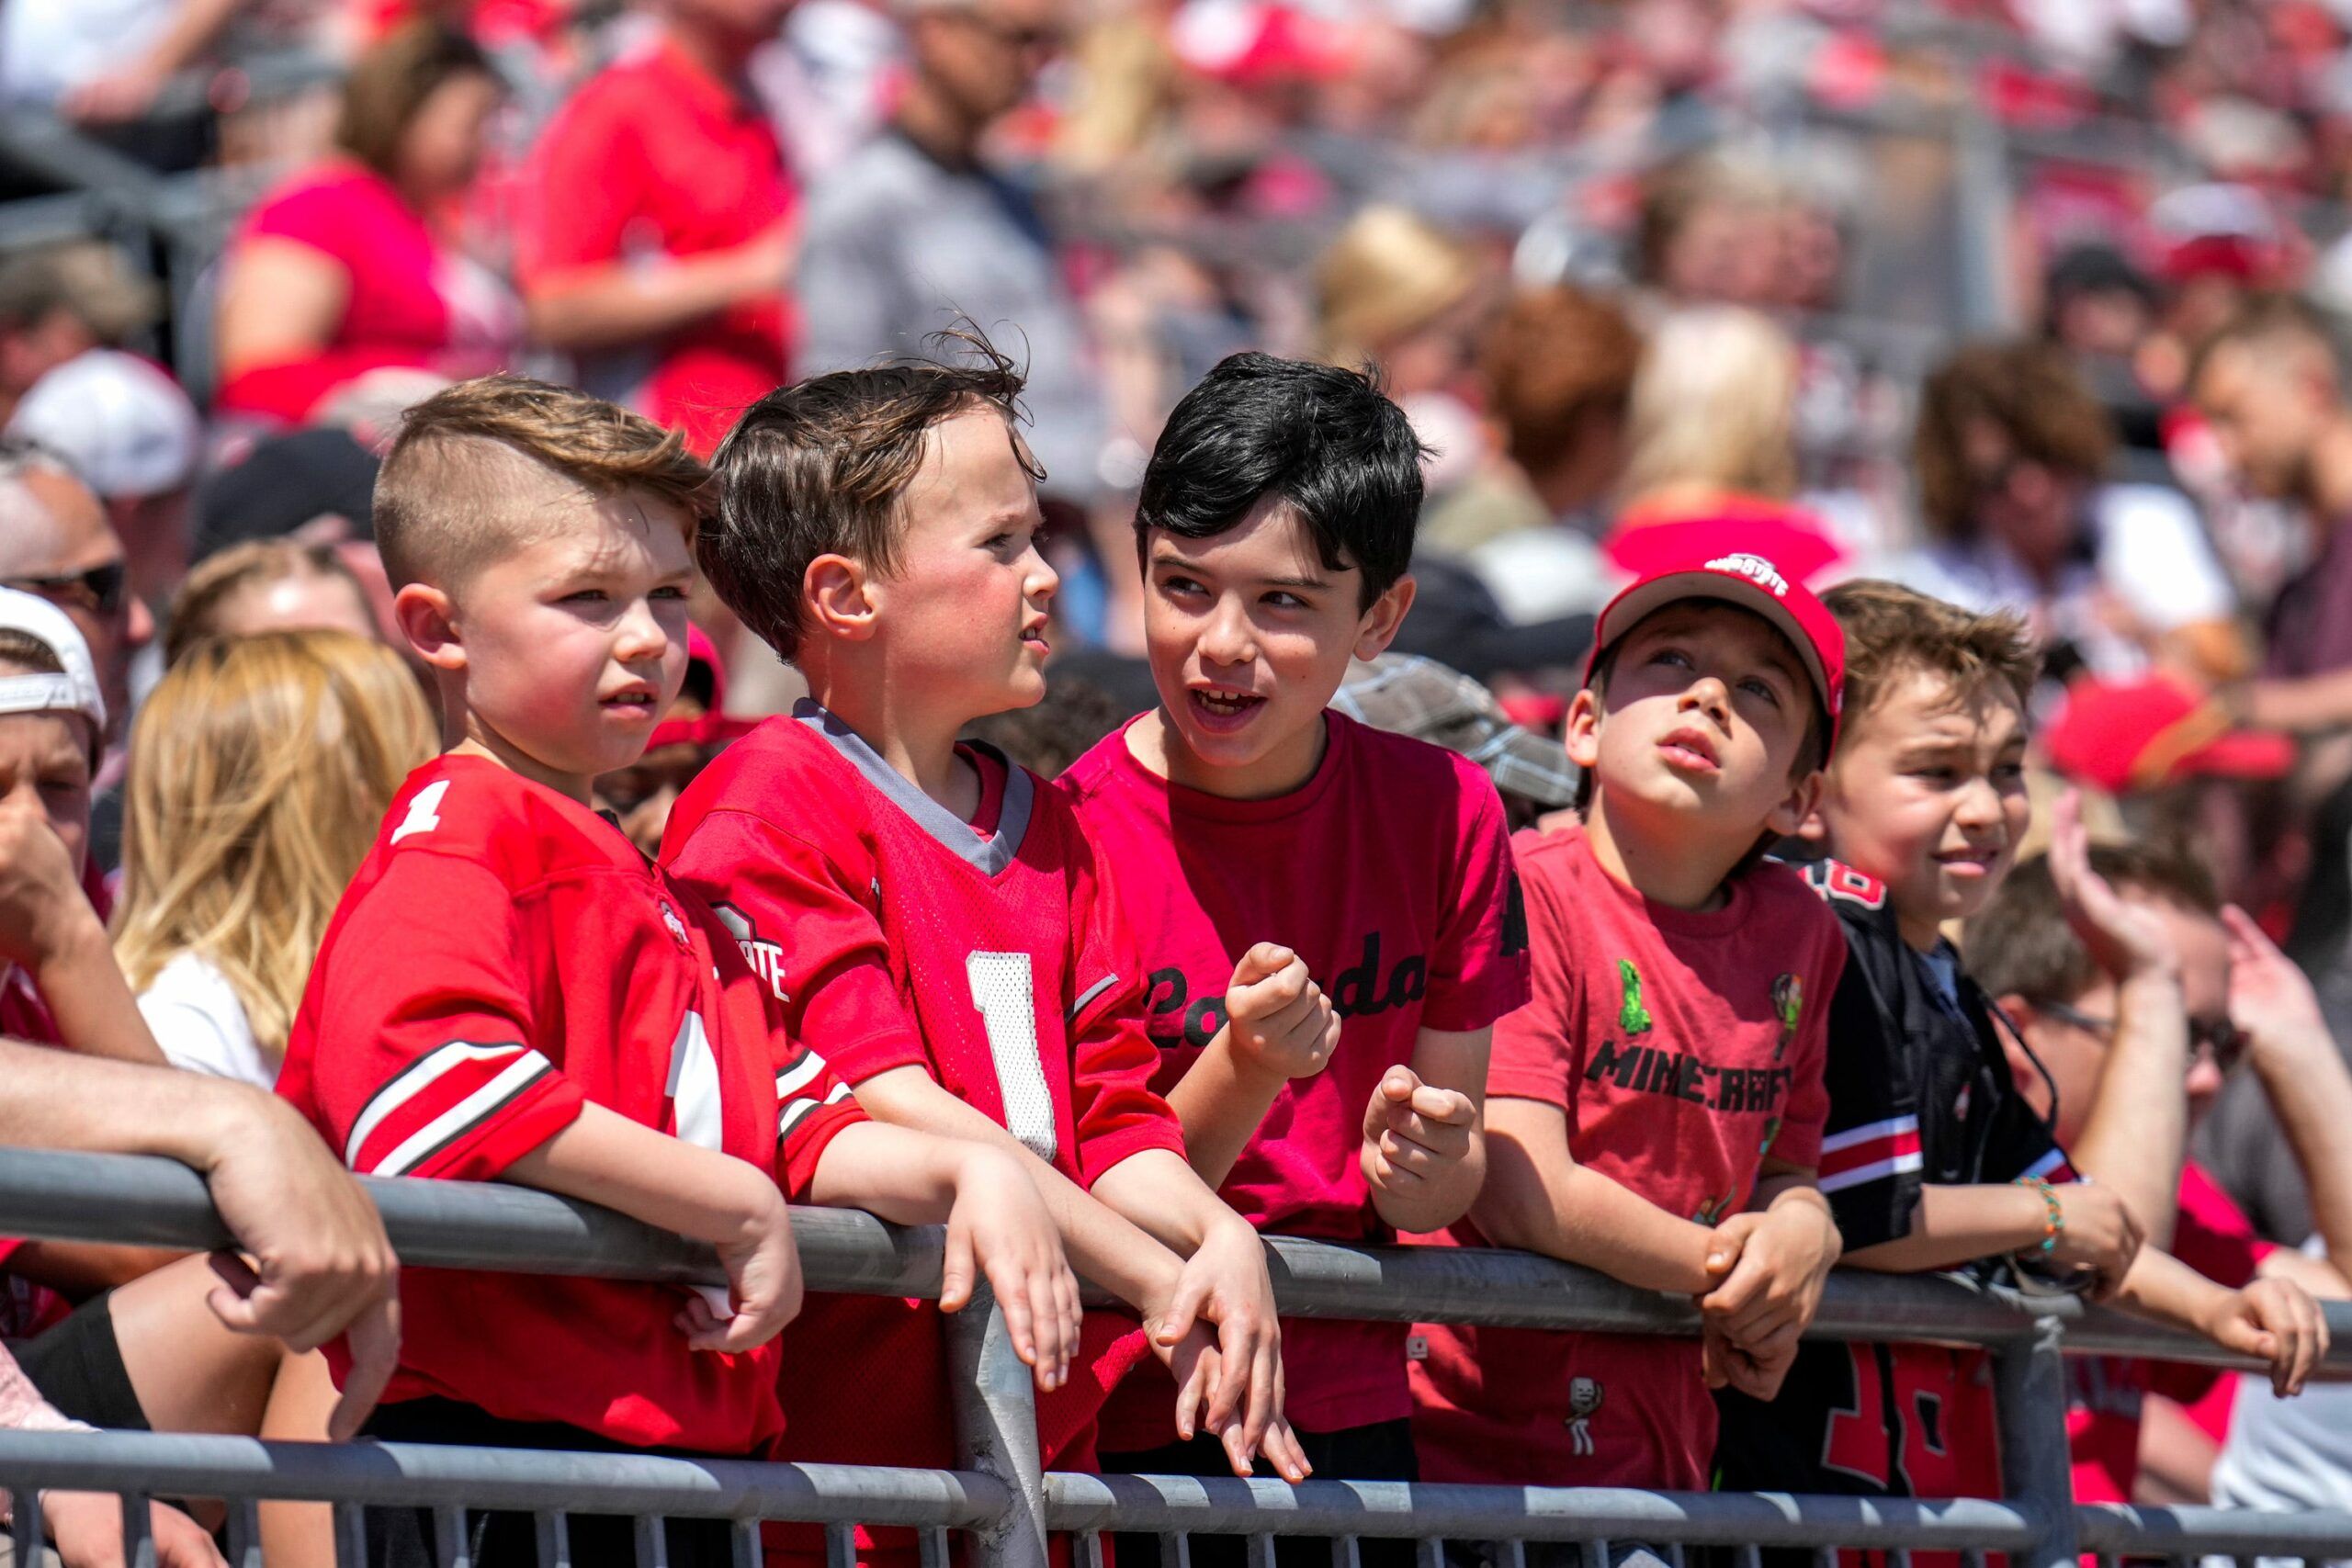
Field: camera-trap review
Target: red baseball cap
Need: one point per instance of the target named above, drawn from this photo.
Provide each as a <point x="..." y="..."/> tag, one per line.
<point x="1721" y="562"/>
<point x="704" y="669"/>
<point x="2123" y="736"/>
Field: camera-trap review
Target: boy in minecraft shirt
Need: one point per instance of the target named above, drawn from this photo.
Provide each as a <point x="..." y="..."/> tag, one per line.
<point x="1656" y="1112"/>
<point x="1328" y="1076"/>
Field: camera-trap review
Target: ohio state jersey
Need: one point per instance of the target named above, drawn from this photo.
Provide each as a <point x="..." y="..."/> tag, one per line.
<point x="895" y="933"/>
<point x="503" y="957"/>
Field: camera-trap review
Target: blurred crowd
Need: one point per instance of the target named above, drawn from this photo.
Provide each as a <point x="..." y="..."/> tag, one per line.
<point x="2025" y="303"/>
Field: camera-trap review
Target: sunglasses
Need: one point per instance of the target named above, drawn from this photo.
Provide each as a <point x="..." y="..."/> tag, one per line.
<point x="2216" y="1037"/>
<point x="98" y="589"/>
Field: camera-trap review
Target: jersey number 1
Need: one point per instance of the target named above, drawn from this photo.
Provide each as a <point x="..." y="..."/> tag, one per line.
<point x="1003" y="990"/>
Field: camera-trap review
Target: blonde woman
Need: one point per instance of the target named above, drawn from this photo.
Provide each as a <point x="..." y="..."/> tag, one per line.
<point x="260" y="769"/>
<point x="1713" y="412"/>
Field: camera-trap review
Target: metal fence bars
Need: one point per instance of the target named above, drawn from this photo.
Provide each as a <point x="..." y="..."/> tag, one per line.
<point x="1002" y="1500"/>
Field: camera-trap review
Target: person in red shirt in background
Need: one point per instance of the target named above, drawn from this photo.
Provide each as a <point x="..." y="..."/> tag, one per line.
<point x="657" y="232"/>
<point x="2243" y="998"/>
<point x="351" y="267"/>
<point x="1332" y="1086"/>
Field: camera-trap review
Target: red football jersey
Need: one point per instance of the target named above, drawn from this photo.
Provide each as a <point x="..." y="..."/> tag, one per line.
<point x="895" y="933"/>
<point x="503" y="958"/>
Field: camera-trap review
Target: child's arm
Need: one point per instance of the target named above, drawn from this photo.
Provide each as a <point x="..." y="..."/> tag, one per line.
<point x="603" y="1157"/>
<point x="2274" y="1320"/>
<point x="1788" y="1242"/>
<point x="1278" y="1026"/>
<point x="47" y="925"/>
<point x="2136" y="1131"/>
<point x="1424" y="1141"/>
<point x="1538" y="1197"/>
<point x="996" y="1224"/>
<point x="1108" y="1247"/>
<point x="1954" y="1225"/>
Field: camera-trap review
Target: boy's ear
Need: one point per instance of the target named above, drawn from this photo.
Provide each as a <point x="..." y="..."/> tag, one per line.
<point x="1800" y="807"/>
<point x="1583" y="729"/>
<point x="1379" y="625"/>
<point x="840" y="598"/>
<point x="429" y="620"/>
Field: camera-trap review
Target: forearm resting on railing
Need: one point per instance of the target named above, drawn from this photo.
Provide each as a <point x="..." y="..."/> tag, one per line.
<point x="1540" y="1200"/>
<point x="1954" y="1225"/>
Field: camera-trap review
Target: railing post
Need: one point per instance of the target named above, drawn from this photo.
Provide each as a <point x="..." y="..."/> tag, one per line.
<point x="996" y="1430"/>
<point x="2037" y="1470"/>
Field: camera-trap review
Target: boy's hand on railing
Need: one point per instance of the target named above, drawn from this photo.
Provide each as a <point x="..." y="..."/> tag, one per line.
<point x="1756" y="1372"/>
<point x="2278" y="1321"/>
<point x="1000" y="1227"/>
<point x="1771" y="1293"/>
<point x="763" y="1281"/>
<point x="2100" y="1234"/>
<point x="87" y="1528"/>
<point x="1225" y="1282"/>
<point x="1278" y="1023"/>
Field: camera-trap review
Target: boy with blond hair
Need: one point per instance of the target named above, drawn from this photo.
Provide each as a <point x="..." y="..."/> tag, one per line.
<point x="1655" y="1112"/>
<point x="509" y="991"/>
<point x="934" y="913"/>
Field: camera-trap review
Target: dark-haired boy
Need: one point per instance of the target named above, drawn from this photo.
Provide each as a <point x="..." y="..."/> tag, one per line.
<point x="510" y="991"/>
<point x="1331" y="1085"/>
<point x="1932" y="1158"/>
<point x="1655" y="1110"/>
<point x="933" y="911"/>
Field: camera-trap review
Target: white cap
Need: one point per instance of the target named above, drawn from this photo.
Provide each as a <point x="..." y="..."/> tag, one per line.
<point x="75" y="690"/>
<point x="125" y="427"/>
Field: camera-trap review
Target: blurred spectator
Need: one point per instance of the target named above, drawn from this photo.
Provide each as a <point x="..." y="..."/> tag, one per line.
<point x="917" y="228"/>
<point x="55" y="541"/>
<point x="313" y="484"/>
<point x="1047" y="737"/>
<point x="1713" y="413"/>
<point x="695" y="730"/>
<point x="261" y="768"/>
<point x="1391" y="289"/>
<point x="2100" y="308"/>
<point x="657" y="232"/>
<point x="61" y="301"/>
<point x="1718" y="228"/>
<point x="134" y="437"/>
<point x="2012" y="453"/>
<point x="267" y="585"/>
<point x="352" y="266"/>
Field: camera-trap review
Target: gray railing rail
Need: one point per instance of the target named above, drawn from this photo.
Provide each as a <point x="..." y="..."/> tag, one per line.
<point x="1001" y="1496"/>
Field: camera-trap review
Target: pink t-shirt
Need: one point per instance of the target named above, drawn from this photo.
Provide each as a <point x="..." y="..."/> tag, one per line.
<point x="413" y="303"/>
<point x="2212" y="1237"/>
<point x="1684" y="1047"/>
<point x="1390" y="873"/>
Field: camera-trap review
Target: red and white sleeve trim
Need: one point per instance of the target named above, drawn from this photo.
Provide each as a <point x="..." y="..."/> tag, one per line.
<point x="438" y="1102"/>
<point x="2050" y="1167"/>
<point x="1869" y="1153"/>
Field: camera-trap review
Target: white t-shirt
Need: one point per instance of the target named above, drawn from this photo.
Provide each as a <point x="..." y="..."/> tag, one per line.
<point x="2286" y="1455"/>
<point x="201" y="1024"/>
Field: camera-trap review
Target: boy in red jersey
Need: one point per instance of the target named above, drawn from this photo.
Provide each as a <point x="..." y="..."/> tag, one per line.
<point x="510" y="991"/>
<point x="1656" y="1112"/>
<point x="932" y="910"/>
<point x="1331" y="1085"/>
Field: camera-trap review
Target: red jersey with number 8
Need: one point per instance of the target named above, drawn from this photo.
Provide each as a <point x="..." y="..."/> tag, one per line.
<point x="989" y="953"/>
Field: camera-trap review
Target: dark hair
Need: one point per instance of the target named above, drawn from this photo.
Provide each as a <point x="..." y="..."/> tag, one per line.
<point x="821" y="469"/>
<point x="1323" y="439"/>
<point x="390" y="83"/>
<point x="2020" y="944"/>
<point x="2030" y="392"/>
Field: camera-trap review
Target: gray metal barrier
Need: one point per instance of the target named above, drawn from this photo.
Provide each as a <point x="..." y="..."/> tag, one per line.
<point x="1001" y="1499"/>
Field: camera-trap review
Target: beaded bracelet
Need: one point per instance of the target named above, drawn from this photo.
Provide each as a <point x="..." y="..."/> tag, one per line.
<point x="2053" y="1224"/>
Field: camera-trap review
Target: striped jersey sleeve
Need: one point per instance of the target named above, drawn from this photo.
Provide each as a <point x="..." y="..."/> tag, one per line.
<point x="426" y="1064"/>
<point x="812" y="1106"/>
<point x="1871" y="1163"/>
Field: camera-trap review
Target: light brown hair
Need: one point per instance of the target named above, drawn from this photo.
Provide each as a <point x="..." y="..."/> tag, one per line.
<point x="260" y="770"/>
<point x="2031" y="393"/>
<point x="451" y="495"/>
<point x="390" y="83"/>
<point x="196" y="609"/>
<point x="1892" y="631"/>
<point x="1553" y="359"/>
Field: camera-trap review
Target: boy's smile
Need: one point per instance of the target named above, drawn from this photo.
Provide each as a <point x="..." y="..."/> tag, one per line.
<point x="1928" y="794"/>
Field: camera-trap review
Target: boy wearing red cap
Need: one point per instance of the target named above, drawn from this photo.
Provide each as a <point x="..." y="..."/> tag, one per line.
<point x="1656" y="1112"/>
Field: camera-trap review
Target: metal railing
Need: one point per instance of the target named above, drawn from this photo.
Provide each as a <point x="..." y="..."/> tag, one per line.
<point x="1004" y="1500"/>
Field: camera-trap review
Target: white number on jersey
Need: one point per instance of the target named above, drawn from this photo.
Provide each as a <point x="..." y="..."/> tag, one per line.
<point x="423" y="811"/>
<point x="1006" y="996"/>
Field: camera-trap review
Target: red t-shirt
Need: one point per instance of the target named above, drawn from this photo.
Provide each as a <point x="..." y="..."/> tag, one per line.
<point x="997" y="962"/>
<point x="1416" y="926"/>
<point x="503" y="958"/>
<point x="1683" y="1048"/>
<point x="411" y="303"/>
<point x="2213" y="1237"/>
<point x="655" y="158"/>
